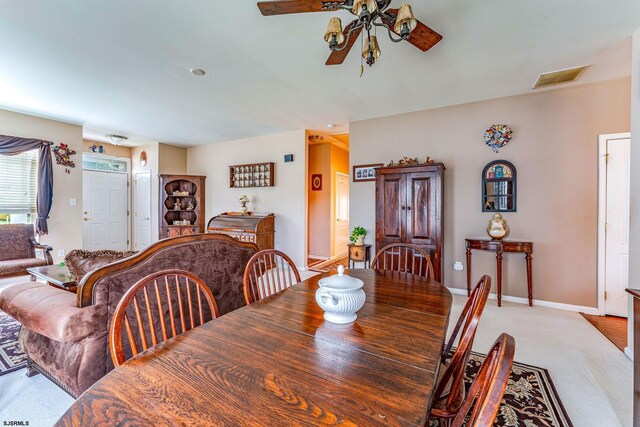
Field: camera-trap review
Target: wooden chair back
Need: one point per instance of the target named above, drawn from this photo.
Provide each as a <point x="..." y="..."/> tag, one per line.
<point x="482" y="402"/>
<point x="267" y="272"/>
<point x="451" y="385"/>
<point x="158" y="307"/>
<point x="404" y="257"/>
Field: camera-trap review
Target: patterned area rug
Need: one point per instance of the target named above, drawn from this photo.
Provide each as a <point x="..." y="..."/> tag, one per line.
<point x="11" y="357"/>
<point x="330" y="265"/>
<point x="530" y="399"/>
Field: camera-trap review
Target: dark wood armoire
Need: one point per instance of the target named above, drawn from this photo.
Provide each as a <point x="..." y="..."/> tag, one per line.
<point x="409" y="201"/>
<point x="181" y="205"/>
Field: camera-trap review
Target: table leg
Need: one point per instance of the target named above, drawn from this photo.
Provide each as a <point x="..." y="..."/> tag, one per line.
<point x="468" y="272"/>
<point x="499" y="274"/>
<point x="529" y="278"/>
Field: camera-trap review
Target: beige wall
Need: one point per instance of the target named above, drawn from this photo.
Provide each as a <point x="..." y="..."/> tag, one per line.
<point x="109" y="149"/>
<point x="634" y="216"/>
<point x="172" y="160"/>
<point x="65" y="222"/>
<point x="287" y="199"/>
<point x="554" y="149"/>
<point x="320" y="201"/>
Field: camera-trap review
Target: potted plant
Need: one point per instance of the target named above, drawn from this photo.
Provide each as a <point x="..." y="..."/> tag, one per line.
<point x="357" y="236"/>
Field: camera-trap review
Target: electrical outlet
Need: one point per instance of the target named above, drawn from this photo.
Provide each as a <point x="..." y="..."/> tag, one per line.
<point x="458" y="266"/>
<point x="60" y="253"/>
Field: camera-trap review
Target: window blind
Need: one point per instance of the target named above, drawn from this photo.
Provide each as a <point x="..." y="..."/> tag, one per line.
<point x="19" y="182"/>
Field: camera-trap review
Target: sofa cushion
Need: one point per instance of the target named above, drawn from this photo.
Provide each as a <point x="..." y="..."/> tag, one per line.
<point x="51" y="312"/>
<point x="19" y="265"/>
<point x="15" y="241"/>
<point x="80" y="262"/>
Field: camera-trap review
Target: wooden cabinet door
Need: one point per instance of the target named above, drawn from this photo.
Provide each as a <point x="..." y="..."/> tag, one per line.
<point x="391" y="204"/>
<point x="422" y="213"/>
<point x="173" y="231"/>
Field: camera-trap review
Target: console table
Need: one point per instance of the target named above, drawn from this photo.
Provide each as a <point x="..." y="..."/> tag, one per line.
<point x="499" y="247"/>
<point x="359" y="253"/>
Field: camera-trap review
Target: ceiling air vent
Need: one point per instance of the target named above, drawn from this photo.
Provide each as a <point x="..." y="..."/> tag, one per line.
<point x="559" y="77"/>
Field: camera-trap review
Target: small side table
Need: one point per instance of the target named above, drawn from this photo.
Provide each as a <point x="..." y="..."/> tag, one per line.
<point x="359" y="253"/>
<point x="499" y="247"/>
<point x="56" y="276"/>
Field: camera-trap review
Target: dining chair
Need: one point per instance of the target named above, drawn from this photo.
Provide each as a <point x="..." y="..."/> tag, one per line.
<point x="482" y="402"/>
<point x="449" y="392"/>
<point x="404" y="257"/>
<point x="267" y="272"/>
<point x="158" y="307"/>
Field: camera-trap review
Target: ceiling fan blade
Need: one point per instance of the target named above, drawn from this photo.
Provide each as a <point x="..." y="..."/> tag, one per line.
<point x="284" y="7"/>
<point x="338" y="56"/>
<point x="422" y="37"/>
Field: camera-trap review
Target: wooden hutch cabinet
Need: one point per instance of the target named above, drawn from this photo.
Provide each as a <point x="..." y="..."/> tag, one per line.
<point x="253" y="227"/>
<point x="181" y="205"/>
<point x="409" y="202"/>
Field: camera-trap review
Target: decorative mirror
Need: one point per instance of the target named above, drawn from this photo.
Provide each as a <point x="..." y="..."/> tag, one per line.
<point x="499" y="187"/>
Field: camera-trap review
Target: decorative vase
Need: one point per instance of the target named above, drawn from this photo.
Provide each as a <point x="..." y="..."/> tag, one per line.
<point x="497" y="228"/>
<point x="360" y="240"/>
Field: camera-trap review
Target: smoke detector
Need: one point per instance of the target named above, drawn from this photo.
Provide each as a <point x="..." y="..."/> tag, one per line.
<point x="559" y="77"/>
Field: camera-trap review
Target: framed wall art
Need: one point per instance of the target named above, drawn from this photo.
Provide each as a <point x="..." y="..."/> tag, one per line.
<point x="363" y="173"/>
<point x="316" y="182"/>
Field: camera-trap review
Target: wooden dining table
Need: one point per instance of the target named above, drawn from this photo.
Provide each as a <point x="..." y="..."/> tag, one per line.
<point x="278" y="362"/>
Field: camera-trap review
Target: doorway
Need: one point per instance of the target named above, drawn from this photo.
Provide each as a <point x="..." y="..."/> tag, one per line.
<point x="613" y="223"/>
<point x="142" y="214"/>
<point x="328" y="198"/>
<point x="105" y="203"/>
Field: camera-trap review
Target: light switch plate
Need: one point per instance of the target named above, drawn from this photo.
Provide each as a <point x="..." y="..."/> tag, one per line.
<point x="457" y="266"/>
<point x="60" y="253"/>
<point x="73" y="202"/>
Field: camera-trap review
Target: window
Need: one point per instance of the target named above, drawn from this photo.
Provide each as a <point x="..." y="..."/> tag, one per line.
<point x="19" y="187"/>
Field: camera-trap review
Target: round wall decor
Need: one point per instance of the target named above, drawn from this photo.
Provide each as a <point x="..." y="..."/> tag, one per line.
<point x="497" y="136"/>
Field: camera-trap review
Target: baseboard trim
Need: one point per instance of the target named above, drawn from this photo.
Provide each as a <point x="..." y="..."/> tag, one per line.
<point x="629" y="353"/>
<point x="540" y="303"/>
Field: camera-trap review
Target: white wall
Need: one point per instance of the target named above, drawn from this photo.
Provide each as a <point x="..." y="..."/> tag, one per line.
<point x="554" y="149"/>
<point x="65" y="221"/>
<point x="287" y="199"/>
<point x="152" y="166"/>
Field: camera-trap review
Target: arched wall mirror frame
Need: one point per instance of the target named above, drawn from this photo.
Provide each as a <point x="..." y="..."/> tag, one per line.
<point x="499" y="187"/>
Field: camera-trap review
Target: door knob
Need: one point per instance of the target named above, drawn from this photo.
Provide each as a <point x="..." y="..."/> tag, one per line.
<point x="86" y="219"/>
<point x="408" y="208"/>
<point x="146" y="219"/>
<point x="402" y="208"/>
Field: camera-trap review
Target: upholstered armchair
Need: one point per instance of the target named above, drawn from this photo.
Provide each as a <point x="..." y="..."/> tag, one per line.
<point x="18" y="250"/>
<point x="65" y="335"/>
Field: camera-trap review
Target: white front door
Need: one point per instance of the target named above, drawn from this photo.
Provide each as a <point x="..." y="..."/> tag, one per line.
<point x="342" y="214"/>
<point x="142" y="208"/>
<point x="105" y="211"/>
<point x="617" y="227"/>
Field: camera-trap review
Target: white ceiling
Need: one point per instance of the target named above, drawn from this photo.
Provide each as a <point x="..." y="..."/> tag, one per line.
<point x="122" y="66"/>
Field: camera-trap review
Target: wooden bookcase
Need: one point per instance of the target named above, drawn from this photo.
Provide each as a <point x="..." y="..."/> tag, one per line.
<point x="252" y="175"/>
<point x="181" y="191"/>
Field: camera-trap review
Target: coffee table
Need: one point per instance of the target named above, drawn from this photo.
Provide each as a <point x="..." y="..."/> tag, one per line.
<point x="56" y="276"/>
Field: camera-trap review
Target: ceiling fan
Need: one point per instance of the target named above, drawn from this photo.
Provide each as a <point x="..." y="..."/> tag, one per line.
<point x="399" y="23"/>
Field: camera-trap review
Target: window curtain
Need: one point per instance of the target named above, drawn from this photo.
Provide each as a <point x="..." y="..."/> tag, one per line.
<point x="12" y="145"/>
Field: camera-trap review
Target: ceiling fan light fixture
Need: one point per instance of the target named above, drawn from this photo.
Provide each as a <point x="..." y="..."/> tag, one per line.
<point x="371" y="50"/>
<point x="362" y="8"/>
<point x="334" y="35"/>
<point x="116" y="139"/>
<point x="405" y="21"/>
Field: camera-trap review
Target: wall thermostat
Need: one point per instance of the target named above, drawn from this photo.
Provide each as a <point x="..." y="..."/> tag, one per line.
<point x="288" y="158"/>
<point x="457" y="266"/>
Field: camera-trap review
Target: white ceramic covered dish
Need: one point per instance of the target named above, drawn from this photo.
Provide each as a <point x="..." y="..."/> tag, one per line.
<point x="340" y="296"/>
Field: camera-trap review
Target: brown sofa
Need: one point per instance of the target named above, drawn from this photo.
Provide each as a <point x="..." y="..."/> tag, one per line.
<point x="18" y="250"/>
<point x="65" y="335"/>
<point x="80" y="262"/>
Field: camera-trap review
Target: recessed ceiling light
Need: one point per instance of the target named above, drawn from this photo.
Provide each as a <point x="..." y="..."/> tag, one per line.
<point x="198" y="72"/>
<point x="331" y="125"/>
